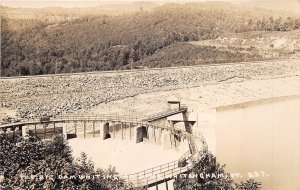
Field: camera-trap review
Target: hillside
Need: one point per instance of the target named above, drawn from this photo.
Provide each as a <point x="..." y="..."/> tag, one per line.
<point x="51" y="13"/>
<point x="179" y="54"/>
<point x="110" y="42"/>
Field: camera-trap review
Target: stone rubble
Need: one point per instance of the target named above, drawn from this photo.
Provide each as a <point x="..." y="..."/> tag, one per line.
<point x="38" y="96"/>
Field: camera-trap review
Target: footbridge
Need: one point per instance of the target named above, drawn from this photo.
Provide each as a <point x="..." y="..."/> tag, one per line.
<point x="165" y="114"/>
<point x="120" y="127"/>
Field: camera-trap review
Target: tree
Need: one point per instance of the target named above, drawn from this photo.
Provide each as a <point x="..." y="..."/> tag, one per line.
<point x="209" y="174"/>
<point x="250" y="184"/>
<point x="34" y="164"/>
<point x="206" y="165"/>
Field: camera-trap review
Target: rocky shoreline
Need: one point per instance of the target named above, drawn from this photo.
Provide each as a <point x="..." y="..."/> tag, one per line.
<point x="34" y="97"/>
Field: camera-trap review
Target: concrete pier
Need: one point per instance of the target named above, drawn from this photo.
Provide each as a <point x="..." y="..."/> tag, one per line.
<point x="151" y="135"/>
<point x="104" y="131"/>
<point x="169" y="140"/>
<point x="166" y="140"/>
<point x="64" y="128"/>
<point x="24" y="131"/>
<point x="157" y="133"/>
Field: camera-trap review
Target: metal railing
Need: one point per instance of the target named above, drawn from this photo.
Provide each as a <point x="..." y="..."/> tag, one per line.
<point x="185" y="156"/>
<point x="107" y="117"/>
<point x="150" y="177"/>
<point x="165" y="113"/>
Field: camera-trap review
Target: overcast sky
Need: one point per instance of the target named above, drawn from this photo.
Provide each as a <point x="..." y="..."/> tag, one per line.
<point x="91" y="3"/>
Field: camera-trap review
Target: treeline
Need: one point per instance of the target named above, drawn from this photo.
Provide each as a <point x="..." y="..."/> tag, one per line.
<point x="184" y="54"/>
<point x="272" y="24"/>
<point x="204" y="174"/>
<point x="35" y="164"/>
<point x="93" y="43"/>
<point x="89" y="9"/>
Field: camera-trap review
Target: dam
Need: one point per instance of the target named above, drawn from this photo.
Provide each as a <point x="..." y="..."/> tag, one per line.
<point x="110" y="130"/>
<point x="257" y="140"/>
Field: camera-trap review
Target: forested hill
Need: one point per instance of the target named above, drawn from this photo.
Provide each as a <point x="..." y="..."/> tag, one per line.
<point x="106" y="42"/>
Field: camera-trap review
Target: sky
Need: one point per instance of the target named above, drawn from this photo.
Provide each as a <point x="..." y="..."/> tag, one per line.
<point x="282" y="4"/>
<point x="86" y="3"/>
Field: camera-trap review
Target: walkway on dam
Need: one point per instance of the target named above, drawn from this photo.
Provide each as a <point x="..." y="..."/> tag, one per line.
<point x="146" y="178"/>
<point x="165" y="114"/>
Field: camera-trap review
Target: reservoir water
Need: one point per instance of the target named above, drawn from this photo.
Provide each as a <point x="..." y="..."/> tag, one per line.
<point x="261" y="140"/>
